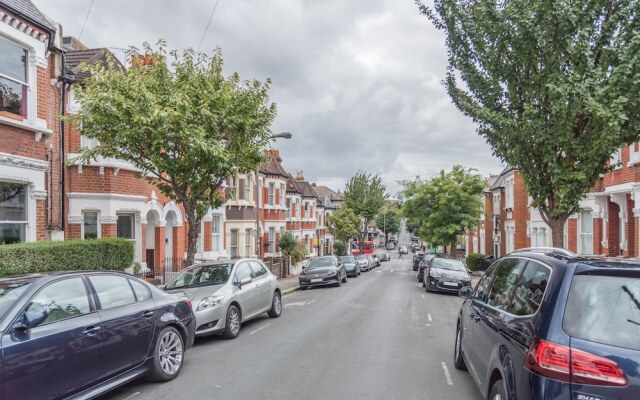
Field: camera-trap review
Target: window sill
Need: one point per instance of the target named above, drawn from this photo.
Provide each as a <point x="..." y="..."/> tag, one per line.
<point x="37" y="126"/>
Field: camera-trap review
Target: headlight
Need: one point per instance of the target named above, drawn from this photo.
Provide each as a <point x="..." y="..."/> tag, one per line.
<point x="210" y="302"/>
<point x="434" y="273"/>
<point x="332" y="273"/>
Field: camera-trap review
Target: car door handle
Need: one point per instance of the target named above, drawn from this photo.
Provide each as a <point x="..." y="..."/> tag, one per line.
<point x="92" y="330"/>
<point x="148" y="314"/>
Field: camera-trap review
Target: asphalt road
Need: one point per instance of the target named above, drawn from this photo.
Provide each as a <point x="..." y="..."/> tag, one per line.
<point x="380" y="336"/>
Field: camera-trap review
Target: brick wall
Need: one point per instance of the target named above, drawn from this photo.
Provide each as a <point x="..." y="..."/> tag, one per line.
<point x="572" y="232"/>
<point x="613" y="238"/>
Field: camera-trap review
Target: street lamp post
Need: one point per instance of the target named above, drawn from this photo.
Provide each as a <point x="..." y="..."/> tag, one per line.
<point x="281" y="135"/>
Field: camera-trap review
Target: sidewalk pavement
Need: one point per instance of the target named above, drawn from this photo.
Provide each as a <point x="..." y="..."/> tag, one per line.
<point x="291" y="284"/>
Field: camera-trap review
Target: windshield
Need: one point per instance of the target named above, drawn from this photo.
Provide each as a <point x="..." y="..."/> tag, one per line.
<point x="361" y="257"/>
<point x="9" y="293"/>
<point x="347" y="259"/>
<point x="604" y="309"/>
<point x="201" y="275"/>
<point x="452" y="265"/>
<point x="321" y="262"/>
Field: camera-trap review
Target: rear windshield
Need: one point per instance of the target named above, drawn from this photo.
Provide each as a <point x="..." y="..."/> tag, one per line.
<point x="321" y="262"/>
<point x="604" y="309"/>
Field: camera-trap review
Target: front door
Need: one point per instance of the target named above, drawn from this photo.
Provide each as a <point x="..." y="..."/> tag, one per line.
<point x="127" y="323"/>
<point x="247" y="295"/>
<point x="264" y="283"/>
<point x="57" y="357"/>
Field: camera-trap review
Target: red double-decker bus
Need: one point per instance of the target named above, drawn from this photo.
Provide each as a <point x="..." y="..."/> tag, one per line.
<point x="367" y="247"/>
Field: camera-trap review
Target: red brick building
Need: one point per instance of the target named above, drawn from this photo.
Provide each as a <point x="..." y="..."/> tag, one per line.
<point x="30" y="99"/>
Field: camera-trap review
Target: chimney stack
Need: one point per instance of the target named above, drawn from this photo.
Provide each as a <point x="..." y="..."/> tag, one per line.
<point x="299" y="176"/>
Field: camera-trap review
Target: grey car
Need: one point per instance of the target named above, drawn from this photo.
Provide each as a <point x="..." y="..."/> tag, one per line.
<point x="225" y="294"/>
<point x="363" y="262"/>
<point x="327" y="270"/>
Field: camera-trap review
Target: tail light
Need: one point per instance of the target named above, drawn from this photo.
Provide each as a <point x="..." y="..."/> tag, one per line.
<point x="566" y="364"/>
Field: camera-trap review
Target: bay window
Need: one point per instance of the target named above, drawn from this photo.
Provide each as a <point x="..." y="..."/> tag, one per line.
<point x="90" y="225"/>
<point x="13" y="212"/>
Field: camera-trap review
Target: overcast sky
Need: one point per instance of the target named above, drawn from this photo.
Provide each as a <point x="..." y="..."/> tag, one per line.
<point x="358" y="83"/>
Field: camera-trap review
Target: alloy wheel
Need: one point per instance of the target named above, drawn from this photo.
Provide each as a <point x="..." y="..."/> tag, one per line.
<point x="170" y="353"/>
<point x="234" y="318"/>
<point x="277" y="303"/>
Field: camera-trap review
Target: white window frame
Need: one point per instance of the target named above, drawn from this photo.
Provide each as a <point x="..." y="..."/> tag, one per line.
<point x="98" y="226"/>
<point x="215" y="233"/>
<point x="582" y="236"/>
<point x="24" y="223"/>
<point x="283" y="193"/>
<point x="272" y="240"/>
<point x="28" y="77"/>
<point x="133" y="224"/>
<point x="247" y="189"/>
<point x="272" y="193"/>
<point x="248" y="233"/>
<point x="233" y="250"/>
<point x="287" y="212"/>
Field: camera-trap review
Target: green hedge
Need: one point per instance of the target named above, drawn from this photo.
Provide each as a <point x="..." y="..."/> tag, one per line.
<point x="69" y="255"/>
<point x="474" y="261"/>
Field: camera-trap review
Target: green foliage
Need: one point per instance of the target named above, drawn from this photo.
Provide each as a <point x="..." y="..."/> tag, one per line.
<point x="552" y="85"/>
<point x="474" y="261"/>
<point x="446" y="206"/>
<point x="68" y="255"/>
<point x="344" y="223"/>
<point x="365" y="195"/>
<point x="388" y="220"/>
<point x="291" y="247"/>
<point x="180" y="121"/>
<point x="340" y="248"/>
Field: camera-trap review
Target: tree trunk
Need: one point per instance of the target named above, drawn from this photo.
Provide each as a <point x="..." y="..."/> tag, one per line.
<point x="192" y="235"/>
<point x="557" y="231"/>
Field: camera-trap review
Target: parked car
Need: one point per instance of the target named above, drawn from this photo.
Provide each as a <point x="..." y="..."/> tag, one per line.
<point x="376" y="260"/>
<point x="225" y="294"/>
<point x="417" y="257"/>
<point x="415" y="247"/>
<point x="553" y="326"/>
<point x="446" y="275"/>
<point x="391" y="246"/>
<point x="363" y="262"/>
<point x="81" y="334"/>
<point x="351" y="266"/>
<point x="403" y="250"/>
<point x="327" y="270"/>
<point x="384" y="256"/>
<point x="424" y="263"/>
<point x="372" y="262"/>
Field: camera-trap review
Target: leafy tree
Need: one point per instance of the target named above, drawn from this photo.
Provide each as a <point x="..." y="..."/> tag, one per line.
<point x="446" y="205"/>
<point x="388" y="220"/>
<point x="291" y="247"/>
<point x="365" y="195"/>
<point x="180" y="121"/>
<point x="344" y="224"/>
<point x="552" y="85"/>
<point x="340" y="247"/>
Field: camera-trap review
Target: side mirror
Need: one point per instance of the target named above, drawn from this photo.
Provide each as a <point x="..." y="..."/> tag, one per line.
<point x="246" y="280"/>
<point x="465" y="292"/>
<point x="34" y="316"/>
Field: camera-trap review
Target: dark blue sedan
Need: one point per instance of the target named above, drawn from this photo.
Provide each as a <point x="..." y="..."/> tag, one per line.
<point x="551" y="326"/>
<point x="80" y="334"/>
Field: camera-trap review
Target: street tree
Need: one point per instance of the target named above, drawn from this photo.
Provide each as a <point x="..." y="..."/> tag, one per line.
<point x="552" y="86"/>
<point x="365" y="194"/>
<point x="180" y="121"/>
<point x="447" y="205"/>
<point x="388" y="220"/>
<point x="291" y="247"/>
<point x="344" y="224"/>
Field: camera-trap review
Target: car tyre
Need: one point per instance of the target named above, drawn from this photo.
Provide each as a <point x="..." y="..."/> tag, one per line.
<point x="498" y="391"/>
<point x="168" y="355"/>
<point x="232" y="323"/>
<point x="276" y="305"/>
<point x="344" y="278"/>
<point x="458" y="359"/>
<point x="304" y="287"/>
<point x="338" y="282"/>
<point x="427" y="286"/>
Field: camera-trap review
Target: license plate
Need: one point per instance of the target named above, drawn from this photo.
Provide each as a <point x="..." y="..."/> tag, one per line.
<point x="316" y="280"/>
<point x="450" y="284"/>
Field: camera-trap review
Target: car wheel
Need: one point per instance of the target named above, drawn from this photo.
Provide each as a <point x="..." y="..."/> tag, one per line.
<point x="344" y="278"/>
<point x="168" y="355"/>
<point x="498" y="391"/>
<point x="458" y="359"/>
<point x="232" y="325"/>
<point x="276" y="305"/>
<point x="426" y="285"/>
<point x="304" y="287"/>
<point x="338" y="282"/>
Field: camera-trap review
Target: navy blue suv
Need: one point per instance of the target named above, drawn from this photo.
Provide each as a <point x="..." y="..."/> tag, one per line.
<point x="547" y="325"/>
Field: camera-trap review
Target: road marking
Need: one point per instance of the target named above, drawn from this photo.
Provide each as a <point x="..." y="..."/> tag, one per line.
<point x="427" y="324"/>
<point x="423" y="296"/>
<point x="419" y="285"/>
<point x="391" y="269"/>
<point x="310" y="302"/>
<point x="296" y="304"/>
<point x="446" y="374"/>
<point x="334" y="289"/>
<point x="262" y="327"/>
<point x="132" y="395"/>
<point x="429" y="316"/>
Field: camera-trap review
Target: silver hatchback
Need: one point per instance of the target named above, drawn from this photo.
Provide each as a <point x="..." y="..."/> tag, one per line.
<point x="225" y="294"/>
